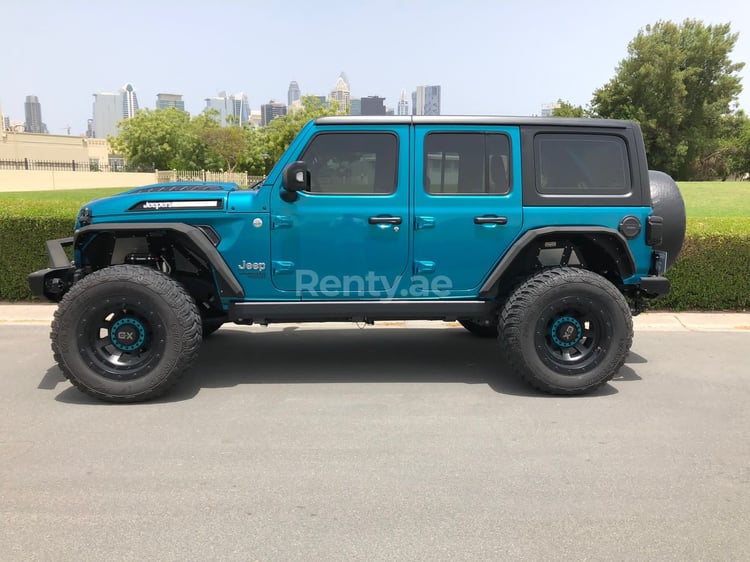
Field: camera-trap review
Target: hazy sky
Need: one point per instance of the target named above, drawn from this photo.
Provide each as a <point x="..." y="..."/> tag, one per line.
<point x="504" y="57"/>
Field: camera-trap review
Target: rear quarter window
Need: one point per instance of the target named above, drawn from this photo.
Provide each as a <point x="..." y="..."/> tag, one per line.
<point x="581" y="164"/>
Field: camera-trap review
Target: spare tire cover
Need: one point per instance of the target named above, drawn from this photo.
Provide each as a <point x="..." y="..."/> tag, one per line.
<point x="667" y="202"/>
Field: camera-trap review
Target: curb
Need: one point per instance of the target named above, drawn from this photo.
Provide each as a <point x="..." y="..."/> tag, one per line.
<point x="41" y="314"/>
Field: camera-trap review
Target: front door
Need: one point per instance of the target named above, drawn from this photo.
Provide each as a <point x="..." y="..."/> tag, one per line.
<point x="348" y="237"/>
<point x="467" y="204"/>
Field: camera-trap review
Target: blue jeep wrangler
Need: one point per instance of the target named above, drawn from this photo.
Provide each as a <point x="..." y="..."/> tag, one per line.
<point x="544" y="233"/>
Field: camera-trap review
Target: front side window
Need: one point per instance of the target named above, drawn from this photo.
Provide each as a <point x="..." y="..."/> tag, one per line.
<point x="352" y="163"/>
<point x="467" y="164"/>
<point x="581" y="164"/>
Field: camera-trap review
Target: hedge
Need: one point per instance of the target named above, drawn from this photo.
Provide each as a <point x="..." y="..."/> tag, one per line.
<point x="22" y="250"/>
<point x="712" y="272"/>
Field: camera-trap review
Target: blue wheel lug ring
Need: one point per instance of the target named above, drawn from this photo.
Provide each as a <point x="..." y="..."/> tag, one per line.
<point x="572" y="322"/>
<point x="127" y="322"/>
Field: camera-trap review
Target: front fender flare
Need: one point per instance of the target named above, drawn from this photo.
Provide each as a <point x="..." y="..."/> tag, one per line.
<point x="192" y="235"/>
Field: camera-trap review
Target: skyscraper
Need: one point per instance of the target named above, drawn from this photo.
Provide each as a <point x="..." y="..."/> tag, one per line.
<point x="294" y="93"/>
<point x="234" y="108"/>
<point x="373" y="105"/>
<point x="426" y="100"/>
<point x="107" y="112"/>
<point x="341" y="94"/>
<point x="403" y="104"/>
<point x="33" y="110"/>
<point x="165" y="101"/>
<point x="110" y="109"/>
<point x="220" y="103"/>
<point x="240" y="108"/>
<point x="129" y="101"/>
<point x="270" y="111"/>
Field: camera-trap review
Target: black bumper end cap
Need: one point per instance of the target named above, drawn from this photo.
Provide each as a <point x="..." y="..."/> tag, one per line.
<point x="655" y="286"/>
<point x="51" y="283"/>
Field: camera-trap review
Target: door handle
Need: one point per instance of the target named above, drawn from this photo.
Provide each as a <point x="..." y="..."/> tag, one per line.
<point x="490" y="220"/>
<point x="384" y="220"/>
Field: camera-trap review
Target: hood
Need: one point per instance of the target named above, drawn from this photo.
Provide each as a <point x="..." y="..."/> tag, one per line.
<point x="168" y="201"/>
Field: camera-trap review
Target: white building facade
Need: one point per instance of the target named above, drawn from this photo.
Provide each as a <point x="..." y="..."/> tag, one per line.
<point x="110" y="108"/>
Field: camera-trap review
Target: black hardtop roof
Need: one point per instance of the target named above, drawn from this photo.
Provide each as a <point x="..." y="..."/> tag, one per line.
<point x="472" y="120"/>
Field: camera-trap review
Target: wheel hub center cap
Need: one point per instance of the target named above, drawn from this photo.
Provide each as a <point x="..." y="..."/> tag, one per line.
<point x="566" y="331"/>
<point x="127" y="334"/>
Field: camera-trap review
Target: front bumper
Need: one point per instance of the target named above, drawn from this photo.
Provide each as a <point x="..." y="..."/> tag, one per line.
<point x="53" y="282"/>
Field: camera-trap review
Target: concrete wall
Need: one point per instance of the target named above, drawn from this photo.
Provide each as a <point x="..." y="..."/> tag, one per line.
<point x="61" y="148"/>
<point x="28" y="180"/>
<point x="17" y="146"/>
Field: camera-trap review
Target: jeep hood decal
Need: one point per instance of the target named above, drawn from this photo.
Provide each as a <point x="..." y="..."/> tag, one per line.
<point x="180" y="205"/>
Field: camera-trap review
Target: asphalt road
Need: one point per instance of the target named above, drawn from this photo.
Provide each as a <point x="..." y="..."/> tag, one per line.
<point x="379" y="444"/>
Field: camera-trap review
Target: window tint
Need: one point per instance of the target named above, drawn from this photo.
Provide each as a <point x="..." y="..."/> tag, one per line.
<point x="467" y="163"/>
<point x="356" y="163"/>
<point x="568" y="164"/>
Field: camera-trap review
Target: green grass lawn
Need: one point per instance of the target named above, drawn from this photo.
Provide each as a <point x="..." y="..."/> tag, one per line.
<point x="716" y="206"/>
<point x="716" y="198"/>
<point x="56" y="203"/>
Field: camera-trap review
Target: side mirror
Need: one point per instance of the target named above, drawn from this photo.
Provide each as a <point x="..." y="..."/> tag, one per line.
<point x="296" y="177"/>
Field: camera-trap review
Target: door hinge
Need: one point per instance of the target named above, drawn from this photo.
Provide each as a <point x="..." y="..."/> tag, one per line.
<point x="281" y="221"/>
<point x="421" y="266"/>
<point x="422" y="222"/>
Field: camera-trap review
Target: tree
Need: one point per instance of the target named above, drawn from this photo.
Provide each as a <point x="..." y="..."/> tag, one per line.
<point x="679" y="83"/>
<point x="736" y="145"/>
<point x="275" y="138"/>
<point x="155" y="139"/>
<point x="227" y="143"/>
<point x="224" y="146"/>
<point x="168" y="138"/>
<point x="566" y="109"/>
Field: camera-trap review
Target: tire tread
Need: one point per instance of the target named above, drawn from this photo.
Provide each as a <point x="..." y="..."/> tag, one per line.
<point x="171" y="291"/>
<point x="515" y="313"/>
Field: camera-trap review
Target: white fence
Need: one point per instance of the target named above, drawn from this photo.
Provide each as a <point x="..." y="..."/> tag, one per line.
<point x="240" y="178"/>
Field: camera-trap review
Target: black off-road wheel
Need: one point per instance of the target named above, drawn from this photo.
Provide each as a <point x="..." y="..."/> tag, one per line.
<point x="126" y="333"/>
<point x="566" y="330"/>
<point x="480" y="328"/>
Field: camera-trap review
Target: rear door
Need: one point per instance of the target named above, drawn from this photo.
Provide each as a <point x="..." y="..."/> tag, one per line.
<point x="467" y="204"/>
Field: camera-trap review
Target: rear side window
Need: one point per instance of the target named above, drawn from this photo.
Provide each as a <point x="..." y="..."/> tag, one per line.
<point x="352" y="163"/>
<point x="467" y="164"/>
<point x="581" y="164"/>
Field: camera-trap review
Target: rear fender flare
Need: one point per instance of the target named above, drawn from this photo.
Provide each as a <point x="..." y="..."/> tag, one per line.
<point x="606" y="238"/>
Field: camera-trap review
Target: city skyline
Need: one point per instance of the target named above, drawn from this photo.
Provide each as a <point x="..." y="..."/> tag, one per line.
<point x="108" y="108"/>
<point x="502" y="58"/>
